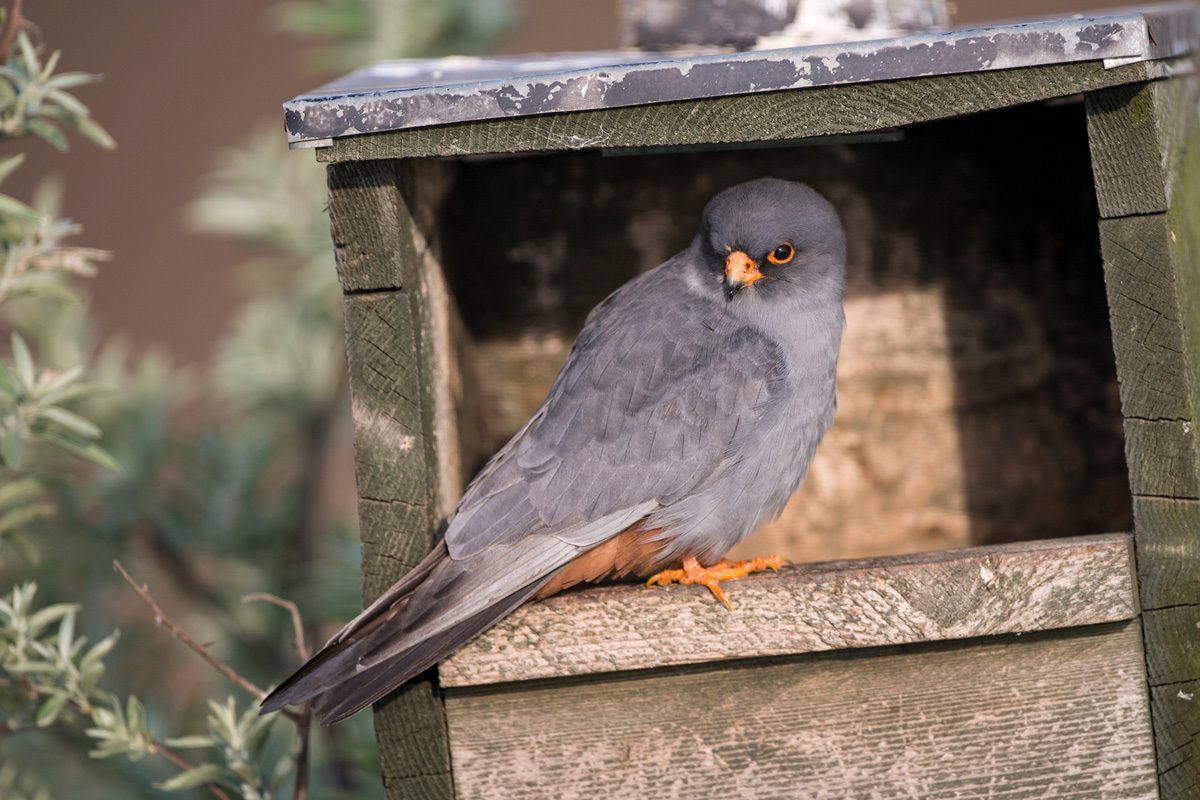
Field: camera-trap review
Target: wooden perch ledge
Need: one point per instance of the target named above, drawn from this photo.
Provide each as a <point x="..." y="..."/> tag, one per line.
<point x="925" y="597"/>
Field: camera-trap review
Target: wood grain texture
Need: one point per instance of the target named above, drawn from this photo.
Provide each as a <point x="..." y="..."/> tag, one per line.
<point x="399" y="462"/>
<point x="1168" y="547"/>
<point x="1175" y="709"/>
<point x="762" y="117"/>
<point x="1173" y="667"/>
<point x="1136" y="132"/>
<point x="393" y="437"/>
<point x="1179" y="629"/>
<point x="1047" y="715"/>
<point x="1146" y="158"/>
<point x="1145" y="317"/>
<point x="370" y="226"/>
<point x="838" y="605"/>
<point x="1124" y="136"/>
<point x="1162" y="458"/>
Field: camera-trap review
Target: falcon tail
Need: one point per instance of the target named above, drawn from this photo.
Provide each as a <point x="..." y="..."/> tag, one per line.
<point x="335" y="680"/>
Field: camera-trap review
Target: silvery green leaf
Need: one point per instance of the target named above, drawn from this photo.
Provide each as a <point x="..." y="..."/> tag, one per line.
<point x="193" y="778"/>
<point x="48" y="712"/>
<point x="20" y="517"/>
<point x="9" y="163"/>
<point x="48" y="70"/>
<point x="12" y="447"/>
<point x="71" y="421"/>
<point x="19" y="491"/>
<point x="191" y="742"/>
<point x="23" y="361"/>
<point x="69" y="80"/>
<point x="93" y="131"/>
<point x="52" y="382"/>
<point x="66" y="634"/>
<point x="12" y="207"/>
<point x="28" y="54"/>
<point x="89" y="450"/>
<point x="49" y="132"/>
<point x="135" y="714"/>
<point x="44" y="617"/>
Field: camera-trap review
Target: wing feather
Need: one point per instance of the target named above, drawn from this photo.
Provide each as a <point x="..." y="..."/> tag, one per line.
<point x="645" y="408"/>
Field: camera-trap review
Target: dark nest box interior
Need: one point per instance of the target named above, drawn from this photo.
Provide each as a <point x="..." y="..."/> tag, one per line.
<point x="1017" y="392"/>
<point x="978" y="396"/>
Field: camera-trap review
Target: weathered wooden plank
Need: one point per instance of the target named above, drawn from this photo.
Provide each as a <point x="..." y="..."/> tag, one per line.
<point x="1162" y="458"/>
<point x="812" y="607"/>
<point x="1176" y="713"/>
<point x="1178" y="628"/>
<point x="410" y="726"/>
<point x="1059" y="715"/>
<point x="764" y="117"/>
<point x="1168" y="548"/>
<point x="1173" y="667"/>
<point x="399" y="412"/>
<point x="1146" y="158"/>
<point x="1184" y="234"/>
<point x="370" y="225"/>
<point x="394" y="459"/>
<point x="1145" y="317"/>
<point x="1125" y="151"/>
<point x="1136" y="132"/>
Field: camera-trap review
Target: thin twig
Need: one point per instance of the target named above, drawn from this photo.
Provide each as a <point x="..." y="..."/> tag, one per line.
<point x="15" y="22"/>
<point x="161" y="617"/>
<point x="184" y="765"/>
<point x="305" y="721"/>
<point x="297" y="621"/>
<point x="302" y="726"/>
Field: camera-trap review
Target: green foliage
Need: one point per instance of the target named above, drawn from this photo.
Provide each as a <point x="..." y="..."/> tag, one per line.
<point x="34" y="100"/>
<point x="36" y="267"/>
<point x="213" y="477"/>
<point x="51" y="670"/>
<point x="241" y="741"/>
<point x="364" y="31"/>
<point x="53" y="678"/>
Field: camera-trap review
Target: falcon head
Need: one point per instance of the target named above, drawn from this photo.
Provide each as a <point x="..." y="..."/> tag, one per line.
<point x="773" y="239"/>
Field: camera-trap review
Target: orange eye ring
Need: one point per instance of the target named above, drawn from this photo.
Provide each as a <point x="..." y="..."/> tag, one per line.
<point x="782" y="254"/>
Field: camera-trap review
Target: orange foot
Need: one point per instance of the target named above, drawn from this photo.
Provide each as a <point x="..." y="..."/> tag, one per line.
<point x="712" y="576"/>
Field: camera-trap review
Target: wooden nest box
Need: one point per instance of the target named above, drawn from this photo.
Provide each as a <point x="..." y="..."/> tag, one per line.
<point x="1016" y="384"/>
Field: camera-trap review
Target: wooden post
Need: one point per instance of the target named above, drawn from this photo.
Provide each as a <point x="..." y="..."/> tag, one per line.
<point x="1146" y="158"/>
<point x="403" y="436"/>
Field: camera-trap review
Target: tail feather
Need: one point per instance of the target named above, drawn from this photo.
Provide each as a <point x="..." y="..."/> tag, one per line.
<point x="320" y="673"/>
<point x="363" y="688"/>
<point x="432" y="612"/>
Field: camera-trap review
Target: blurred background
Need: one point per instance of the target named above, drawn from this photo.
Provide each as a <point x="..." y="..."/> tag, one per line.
<point x="216" y="326"/>
<point x="184" y="79"/>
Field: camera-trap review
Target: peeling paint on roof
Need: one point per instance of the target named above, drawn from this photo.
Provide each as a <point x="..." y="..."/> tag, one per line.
<point x="408" y="94"/>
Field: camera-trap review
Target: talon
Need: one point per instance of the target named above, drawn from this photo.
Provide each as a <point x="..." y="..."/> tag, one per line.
<point x="712" y="576"/>
<point x="665" y="577"/>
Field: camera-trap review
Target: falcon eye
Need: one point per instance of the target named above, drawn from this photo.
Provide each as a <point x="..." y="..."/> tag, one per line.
<point x="782" y="254"/>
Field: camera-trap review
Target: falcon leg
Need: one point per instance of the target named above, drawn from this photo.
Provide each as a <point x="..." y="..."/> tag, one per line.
<point x="712" y="576"/>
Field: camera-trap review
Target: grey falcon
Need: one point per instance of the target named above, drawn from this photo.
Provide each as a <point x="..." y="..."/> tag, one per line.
<point x="687" y="412"/>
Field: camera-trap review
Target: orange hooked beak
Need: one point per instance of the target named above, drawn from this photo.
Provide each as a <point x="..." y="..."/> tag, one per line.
<point x="740" y="272"/>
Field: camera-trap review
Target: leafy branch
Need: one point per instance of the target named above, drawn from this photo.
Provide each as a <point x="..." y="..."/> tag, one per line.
<point x="49" y="676"/>
<point x="34" y="99"/>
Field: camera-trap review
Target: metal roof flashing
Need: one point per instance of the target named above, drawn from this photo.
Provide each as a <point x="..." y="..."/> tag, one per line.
<point x="397" y="95"/>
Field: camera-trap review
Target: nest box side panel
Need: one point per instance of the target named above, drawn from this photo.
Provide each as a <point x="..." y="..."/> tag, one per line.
<point x="391" y="320"/>
<point x="1146" y="157"/>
